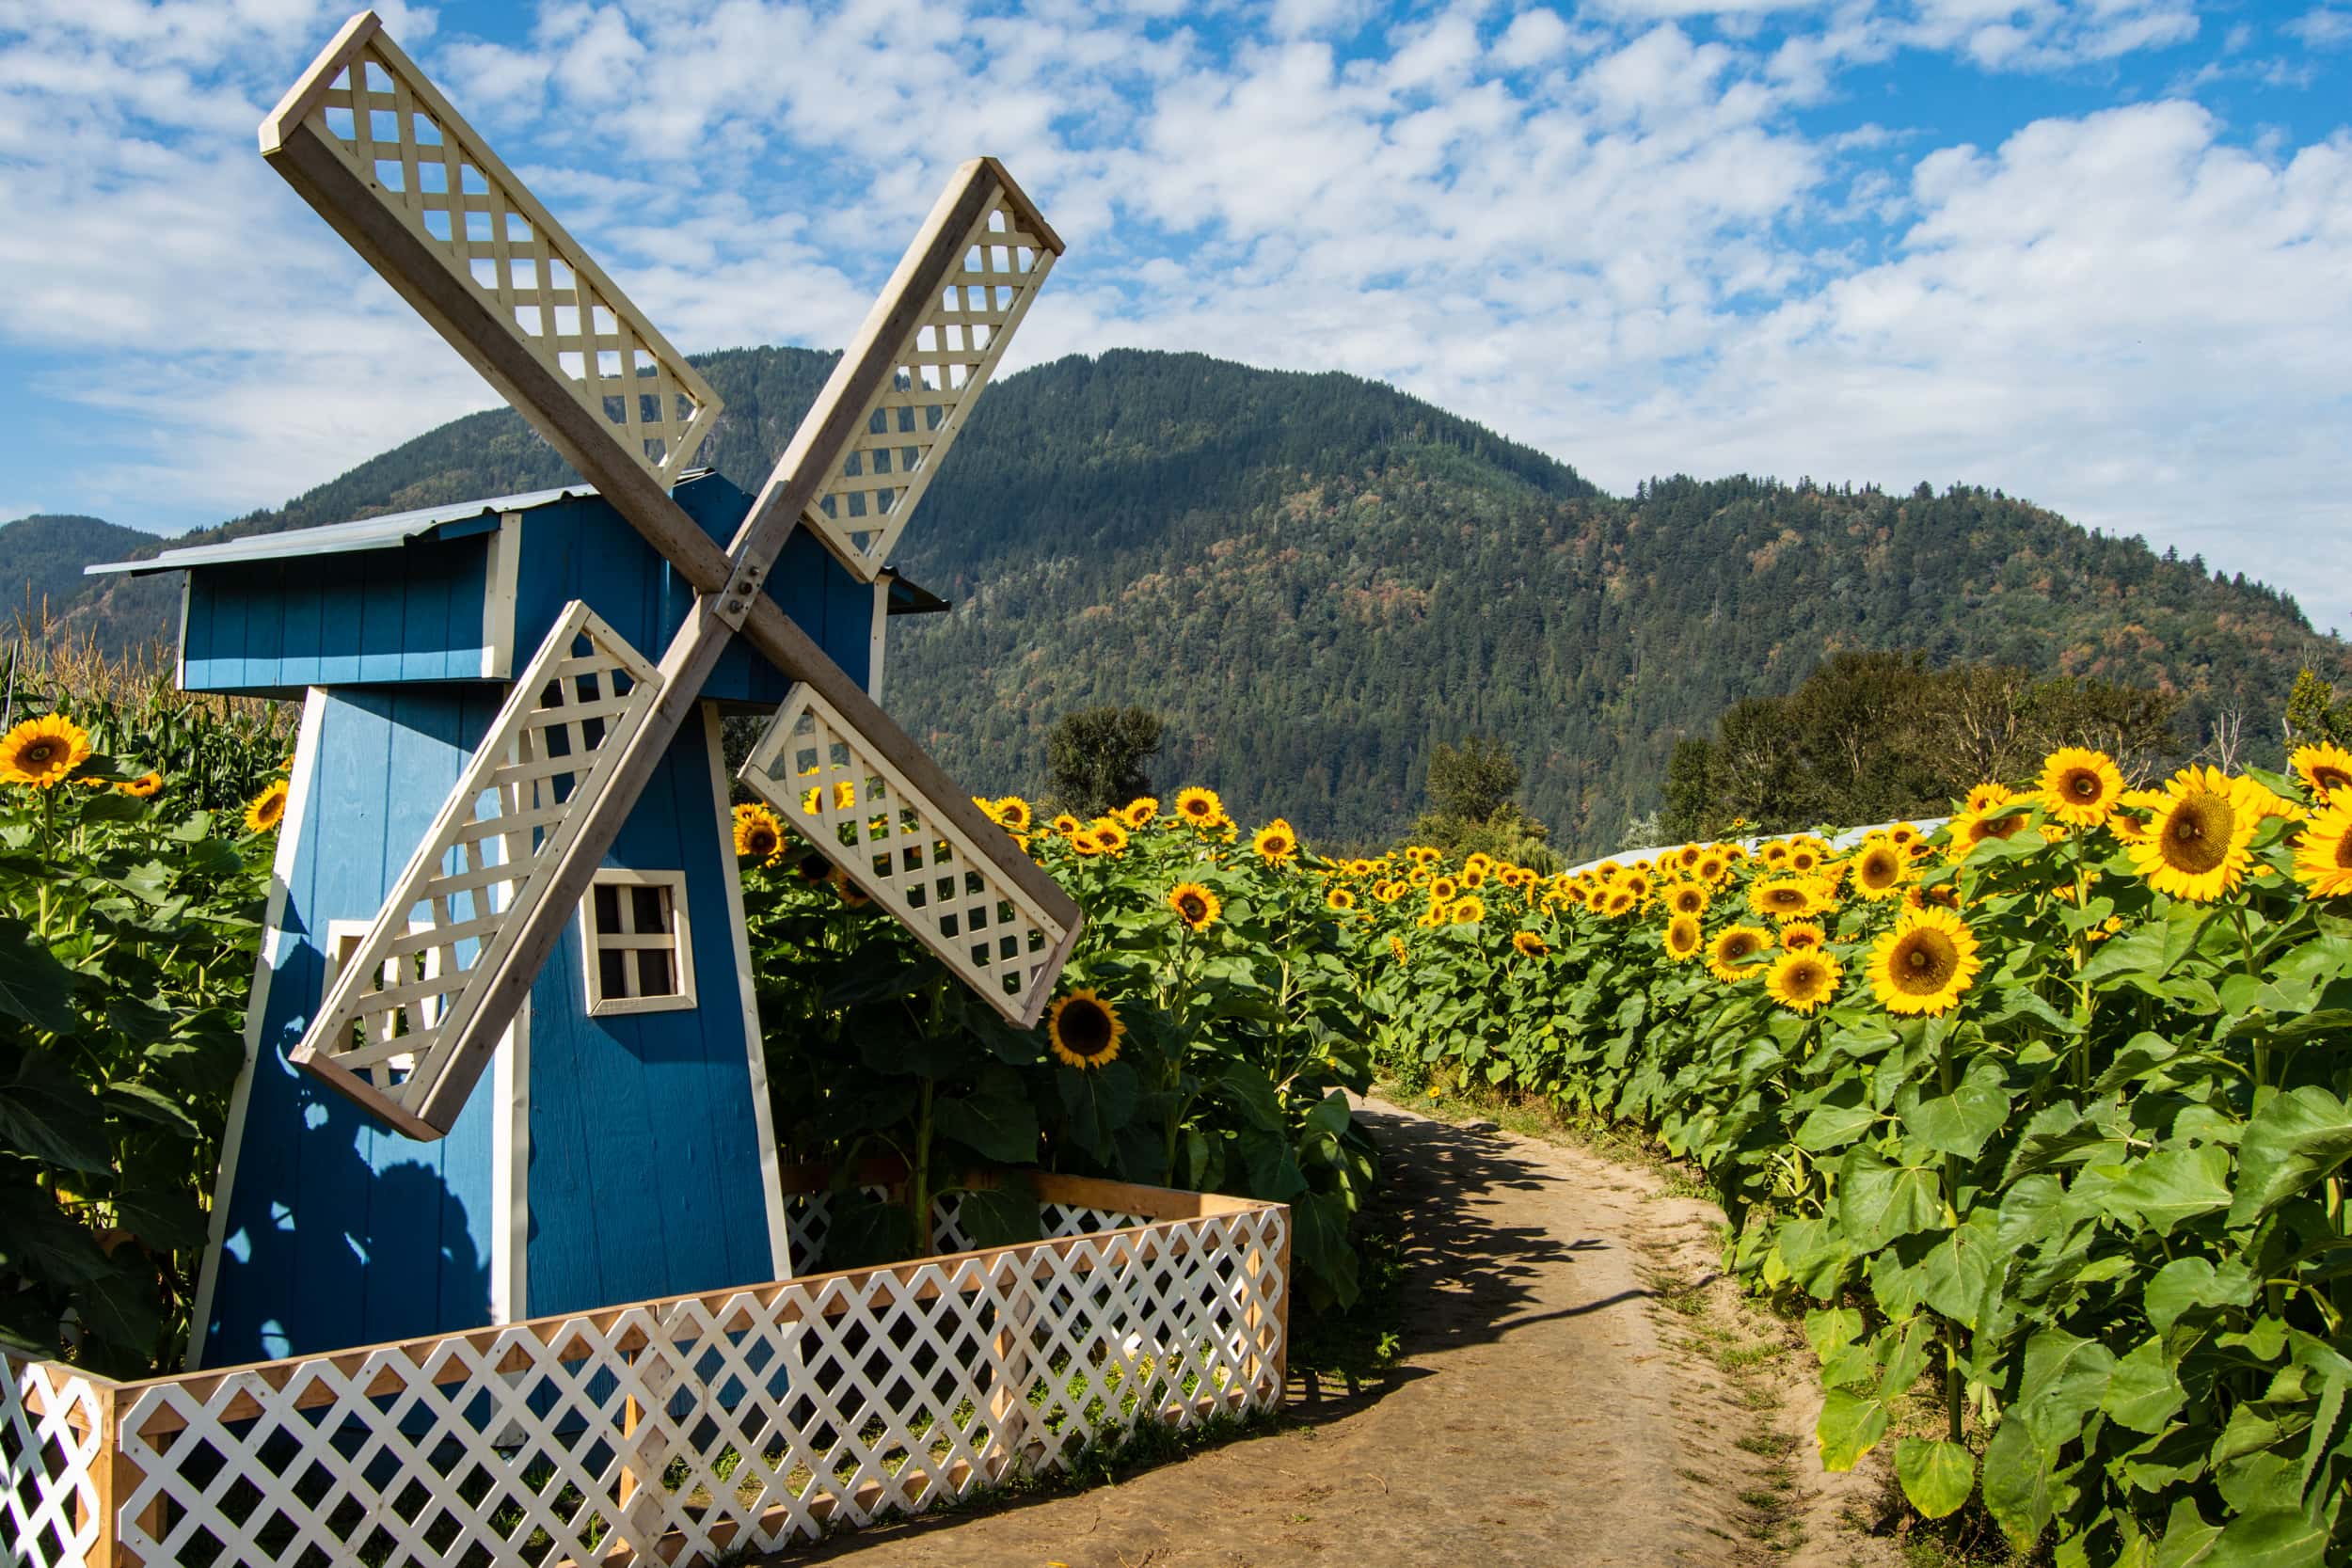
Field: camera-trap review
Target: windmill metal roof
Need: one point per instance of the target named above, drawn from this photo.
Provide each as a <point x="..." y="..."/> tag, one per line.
<point x="453" y="521"/>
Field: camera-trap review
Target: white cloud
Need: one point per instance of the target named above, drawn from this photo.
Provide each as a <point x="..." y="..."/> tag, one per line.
<point x="2325" y="27"/>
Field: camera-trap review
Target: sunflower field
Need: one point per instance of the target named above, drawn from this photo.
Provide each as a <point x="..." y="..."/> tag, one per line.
<point x="129" y="919"/>
<point x="2037" y="1117"/>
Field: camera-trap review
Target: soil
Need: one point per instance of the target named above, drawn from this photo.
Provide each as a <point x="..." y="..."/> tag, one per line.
<point x="1577" y="1387"/>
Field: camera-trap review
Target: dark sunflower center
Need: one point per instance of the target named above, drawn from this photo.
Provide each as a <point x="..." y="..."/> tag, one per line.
<point x="1803" y="980"/>
<point x="762" y="841"/>
<point x="2197" y="839"/>
<point x="2331" y="778"/>
<point x="1086" y="1027"/>
<point x="1191" y="907"/>
<point x="2344" y="852"/>
<point x="2082" y="786"/>
<point x="1877" y="870"/>
<point x="1924" y="961"/>
<point x="39" y="752"/>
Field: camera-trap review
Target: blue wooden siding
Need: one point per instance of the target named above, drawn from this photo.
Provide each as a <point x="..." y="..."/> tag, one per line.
<point x="644" y="1177"/>
<point x="583" y="549"/>
<point x="413" y="612"/>
<point x="410" y="613"/>
<point x="340" y="1230"/>
<point x="644" y="1148"/>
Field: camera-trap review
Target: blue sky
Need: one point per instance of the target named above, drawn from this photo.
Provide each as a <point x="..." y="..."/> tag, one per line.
<point x="2098" y="255"/>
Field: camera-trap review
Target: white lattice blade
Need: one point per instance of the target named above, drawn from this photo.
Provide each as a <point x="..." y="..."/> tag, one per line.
<point x="403" y="1029"/>
<point x="434" y="174"/>
<point x="909" y="855"/>
<point x="947" y="326"/>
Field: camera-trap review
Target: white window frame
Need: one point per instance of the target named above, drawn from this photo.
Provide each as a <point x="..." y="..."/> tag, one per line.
<point x="592" y="944"/>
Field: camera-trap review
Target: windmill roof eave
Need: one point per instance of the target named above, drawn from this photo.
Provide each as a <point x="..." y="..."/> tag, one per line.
<point x="451" y="521"/>
<point x="911" y="598"/>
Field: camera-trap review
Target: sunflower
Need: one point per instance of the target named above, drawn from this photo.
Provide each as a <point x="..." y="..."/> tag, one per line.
<point x="2326" y="768"/>
<point x="1803" y="936"/>
<point x="265" y="810"/>
<point x="816" y="868"/>
<point x="1423" y="855"/>
<point x="1774" y="855"/>
<point x="1712" y="866"/>
<point x="1478" y="860"/>
<point x="1687" y="858"/>
<point x="1389" y="891"/>
<point x="1682" y="938"/>
<point x="1195" y="906"/>
<point x="1789" y="897"/>
<point x="1084" y="841"/>
<point x="1903" y="834"/>
<point x="1473" y="876"/>
<point x="1340" y="898"/>
<point x="1200" y="807"/>
<point x="1435" y="916"/>
<point x="2265" y="802"/>
<point x="1617" y="902"/>
<point x="1685" y="899"/>
<point x="1085" y="1030"/>
<point x="1637" y="883"/>
<point x="1529" y="945"/>
<point x="145" y="786"/>
<point x="1734" y="945"/>
<point x="1803" y="980"/>
<point x="851" y="893"/>
<point x="1971" y="829"/>
<point x="2323" y="855"/>
<point x="1142" y="812"/>
<point x="1925" y="962"/>
<point x="1013" y="814"/>
<point x="2079" y="787"/>
<point x="758" y="836"/>
<point x="1443" y="890"/>
<point x="1805" y="857"/>
<point x="1469" y="910"/>
<point x="1984" y="797"/>
<point x="39" y="752"/>
<point x="1275" y="843"/>
<point x="1398" y="950"/>
<point x="1065" y="824"/>
<point x="1110" y="834"/>
<point x="1880" y="870"/>
<point x="2198" y="841"/>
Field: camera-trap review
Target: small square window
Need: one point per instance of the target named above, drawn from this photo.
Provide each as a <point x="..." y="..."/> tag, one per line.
<point x="638" y="952"/>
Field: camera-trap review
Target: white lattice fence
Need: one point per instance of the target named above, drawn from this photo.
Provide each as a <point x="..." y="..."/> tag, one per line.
<point x="52" y="1454"/>
<point x="673" y="1429"/>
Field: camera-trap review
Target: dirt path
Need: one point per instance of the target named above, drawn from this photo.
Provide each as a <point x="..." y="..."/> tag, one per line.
<point x="1575" y="1389"/>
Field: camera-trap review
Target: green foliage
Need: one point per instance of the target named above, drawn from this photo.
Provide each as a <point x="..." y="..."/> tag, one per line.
<point x="1472" y="781"/>
<point x="1101" y="757"/>
<point x="1315" y="578"/>
<point x="125" y="961"/>
<point x="1238" y="1041"/>
<point x="2315" y="713"/>
<point x="1870" y="737"/>
<point x="41" y="560"/>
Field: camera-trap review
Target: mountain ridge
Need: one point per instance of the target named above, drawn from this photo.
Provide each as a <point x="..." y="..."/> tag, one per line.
<point x="1316" y="579"/>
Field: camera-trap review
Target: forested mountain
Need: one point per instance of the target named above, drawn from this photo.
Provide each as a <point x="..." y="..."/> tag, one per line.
<point x="42" y="558"/>
<point x="1316" y="577"/>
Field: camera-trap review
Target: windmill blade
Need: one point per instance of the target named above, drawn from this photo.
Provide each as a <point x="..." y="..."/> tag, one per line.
<point x="935" y="336"/>
<point x="913" y="857"/>
<point x="397" y="1031"/>
<point x="368" y="140"/>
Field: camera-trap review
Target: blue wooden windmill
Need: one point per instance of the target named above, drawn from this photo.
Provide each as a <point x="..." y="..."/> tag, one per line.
<point x="506" y="846"/>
